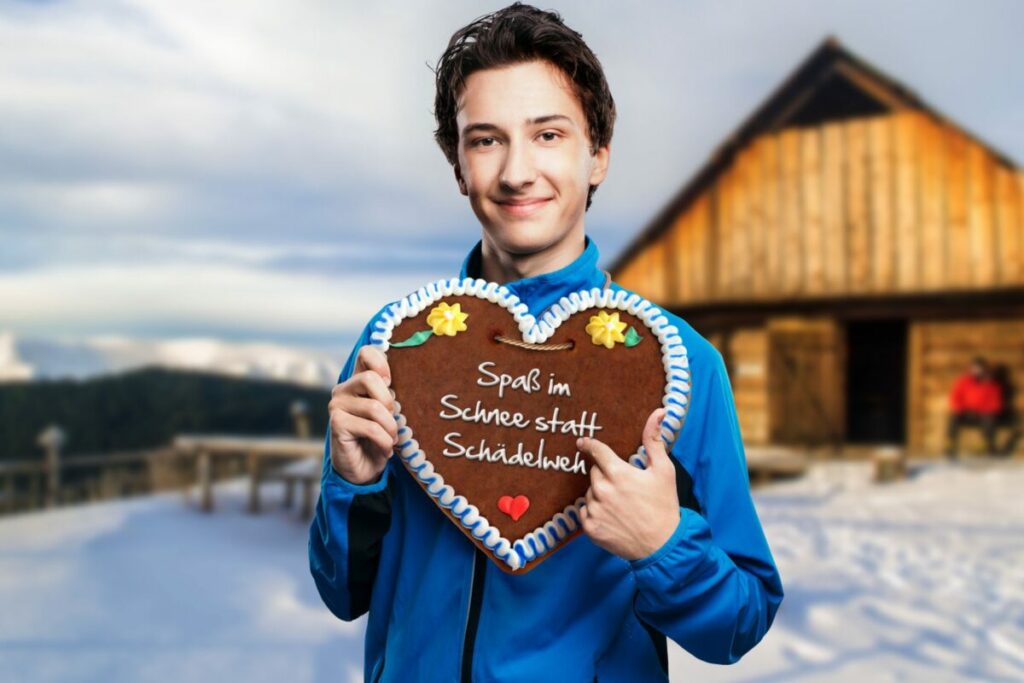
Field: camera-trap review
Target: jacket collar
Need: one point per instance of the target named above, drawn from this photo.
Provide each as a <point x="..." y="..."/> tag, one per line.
<point x="540" y="291"/>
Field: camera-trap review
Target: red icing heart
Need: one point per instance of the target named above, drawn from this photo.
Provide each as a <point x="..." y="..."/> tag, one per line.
<point x="514" y="507"/>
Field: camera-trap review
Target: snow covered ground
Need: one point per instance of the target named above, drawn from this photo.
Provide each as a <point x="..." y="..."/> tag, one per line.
<point x="921" y="580"/>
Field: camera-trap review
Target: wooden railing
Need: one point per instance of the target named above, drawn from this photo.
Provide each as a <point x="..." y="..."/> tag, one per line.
<point x="190" y="459"/>
<point x="35" y="484"/>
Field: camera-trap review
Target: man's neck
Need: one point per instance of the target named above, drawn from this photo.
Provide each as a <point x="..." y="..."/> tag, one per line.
<point x="502" y="267"/>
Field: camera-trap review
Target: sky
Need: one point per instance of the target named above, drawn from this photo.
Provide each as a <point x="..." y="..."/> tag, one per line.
<point x="266" y="170"/>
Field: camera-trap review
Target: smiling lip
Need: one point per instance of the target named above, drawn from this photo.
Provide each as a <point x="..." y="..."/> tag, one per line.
<point x="524" y="207"/>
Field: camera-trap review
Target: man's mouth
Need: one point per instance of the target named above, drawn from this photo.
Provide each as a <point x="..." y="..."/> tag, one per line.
<point x="523" y="207"/>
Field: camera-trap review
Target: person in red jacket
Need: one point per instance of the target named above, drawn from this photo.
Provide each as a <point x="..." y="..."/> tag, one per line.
<point x="977" y="401"/>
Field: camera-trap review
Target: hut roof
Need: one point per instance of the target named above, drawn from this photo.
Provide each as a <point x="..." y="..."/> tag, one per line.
<point x="830" y="84"/>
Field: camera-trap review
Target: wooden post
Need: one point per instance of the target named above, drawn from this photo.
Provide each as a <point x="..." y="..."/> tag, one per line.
<point x="307" y="499"/>
<point x="180" y="455"/>
<point x="51" y="440"/>
<point x="890" y="464"/>
<point x="289" y="492"/>
<point x="255" y="474"/>
<point x="205" y="478"/>
<point x="300" y="418"/>
<point x="9" y="493"/>
<point x="34" y="496"/>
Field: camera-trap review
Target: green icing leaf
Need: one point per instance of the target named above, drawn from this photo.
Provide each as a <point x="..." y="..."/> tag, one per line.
<point x="632" y="338"/>
<point x="416" y="339"/>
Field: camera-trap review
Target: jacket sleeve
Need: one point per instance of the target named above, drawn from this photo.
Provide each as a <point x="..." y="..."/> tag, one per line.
<point x="713" y="586"/>
<point x="348" y="528"/>
<point x="956" y="396"/>
<point x="993" y="403"/>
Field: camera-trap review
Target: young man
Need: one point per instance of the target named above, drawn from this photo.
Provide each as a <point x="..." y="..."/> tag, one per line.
<point x="525" y="117"/>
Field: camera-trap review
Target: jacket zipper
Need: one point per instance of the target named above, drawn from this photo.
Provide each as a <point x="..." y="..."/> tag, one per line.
<point x="476" y="593"/>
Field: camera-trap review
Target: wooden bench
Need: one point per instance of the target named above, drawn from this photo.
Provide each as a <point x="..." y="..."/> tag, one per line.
<point x="260" y="454"/>
<point x="304" y="474"/>
<point x="767" y="462"/>
<point x="1008" y="434"/>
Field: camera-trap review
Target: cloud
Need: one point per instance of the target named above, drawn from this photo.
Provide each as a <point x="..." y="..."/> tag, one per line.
<point x="136" y="298"/>
<point x="216" y="101"/>
<point x="216" y="146"/>
<point x="91" y="202"/>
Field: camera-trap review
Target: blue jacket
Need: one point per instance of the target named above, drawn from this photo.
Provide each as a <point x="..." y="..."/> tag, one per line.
<point x="439" y="610"/>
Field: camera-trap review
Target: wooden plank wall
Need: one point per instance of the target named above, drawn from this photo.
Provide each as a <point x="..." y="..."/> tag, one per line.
<point x="899" y="203"/>
<point x="939" y="351"/>
<point x="746" y="356"/>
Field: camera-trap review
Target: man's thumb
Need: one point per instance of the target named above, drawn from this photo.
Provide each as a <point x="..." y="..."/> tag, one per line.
<point x="657" y="456"/>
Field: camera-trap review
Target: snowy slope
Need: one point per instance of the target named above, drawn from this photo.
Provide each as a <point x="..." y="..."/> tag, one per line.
<point x="24" y="359"/>
<point x="150" y="589"/>
<point x="921" y="580"/>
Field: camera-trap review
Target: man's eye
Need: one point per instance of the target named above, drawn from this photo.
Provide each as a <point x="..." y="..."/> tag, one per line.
<point x="479" y="142"/>
<point x="552" y="133"/>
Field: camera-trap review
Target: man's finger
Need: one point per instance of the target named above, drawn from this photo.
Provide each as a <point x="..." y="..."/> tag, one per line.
<point x="372" y="358"/>
<point x="604" y="457"/>
<point x="370" y="385"/>
<point x="370" y="409"/>
<point x="355" y="428"/>
<point x="657" y="456"/>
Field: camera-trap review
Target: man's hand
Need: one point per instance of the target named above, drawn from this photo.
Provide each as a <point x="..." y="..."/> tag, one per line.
<point x="363" y="427"/>
<point x="629" y="511"/>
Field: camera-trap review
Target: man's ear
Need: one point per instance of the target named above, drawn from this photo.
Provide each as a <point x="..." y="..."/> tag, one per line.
<point x="459" y="180"/>
<point x="602" y="157"/>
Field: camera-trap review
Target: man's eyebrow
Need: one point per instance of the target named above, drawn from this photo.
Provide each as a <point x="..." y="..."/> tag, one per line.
<point x="472" y="127"/>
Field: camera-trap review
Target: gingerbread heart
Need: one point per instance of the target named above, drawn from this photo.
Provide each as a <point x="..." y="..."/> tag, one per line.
<point x="490" y="400"/>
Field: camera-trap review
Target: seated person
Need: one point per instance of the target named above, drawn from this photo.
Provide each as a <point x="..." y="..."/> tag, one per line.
<point x="976" y="400"/>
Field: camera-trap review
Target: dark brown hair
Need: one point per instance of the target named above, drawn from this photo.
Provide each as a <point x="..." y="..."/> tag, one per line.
<point x="521" y="33"/>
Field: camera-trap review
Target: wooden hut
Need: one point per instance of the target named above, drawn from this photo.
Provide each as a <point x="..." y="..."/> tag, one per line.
<point x="848" y="249"/>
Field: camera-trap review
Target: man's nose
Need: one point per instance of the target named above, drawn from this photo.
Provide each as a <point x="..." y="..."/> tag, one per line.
<point x="519" y="169"/>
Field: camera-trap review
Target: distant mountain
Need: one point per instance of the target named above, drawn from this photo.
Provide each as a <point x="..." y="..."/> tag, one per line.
<point x="35" y="359"/>
<point x="146" y="408"/>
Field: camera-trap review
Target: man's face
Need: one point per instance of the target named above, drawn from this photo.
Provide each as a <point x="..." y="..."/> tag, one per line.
<point x="526" y="179"/>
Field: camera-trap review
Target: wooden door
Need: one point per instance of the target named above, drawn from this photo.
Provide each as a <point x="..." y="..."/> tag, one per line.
<point x="806" y="388"/>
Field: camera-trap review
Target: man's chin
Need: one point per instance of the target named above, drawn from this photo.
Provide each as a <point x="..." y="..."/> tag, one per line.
<point x="523" y="240"/>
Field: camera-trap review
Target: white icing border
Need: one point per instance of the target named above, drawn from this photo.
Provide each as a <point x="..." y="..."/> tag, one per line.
<point x="516" y="554"/>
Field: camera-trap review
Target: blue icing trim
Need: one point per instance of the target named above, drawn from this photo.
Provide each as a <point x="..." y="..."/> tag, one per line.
<point x="540" y="538"/>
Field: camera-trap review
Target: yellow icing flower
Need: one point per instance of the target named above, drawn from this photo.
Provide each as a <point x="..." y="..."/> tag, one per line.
<point x="445" y="319"/>
<point x="606" y="329"/>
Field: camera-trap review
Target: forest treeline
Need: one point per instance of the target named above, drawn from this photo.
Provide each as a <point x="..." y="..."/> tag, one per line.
<point x="145" y="408"/>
